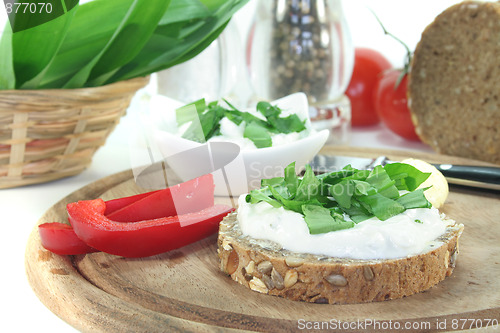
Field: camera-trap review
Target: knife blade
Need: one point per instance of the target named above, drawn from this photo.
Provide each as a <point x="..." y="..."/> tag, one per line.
<point x="466" y="175"/>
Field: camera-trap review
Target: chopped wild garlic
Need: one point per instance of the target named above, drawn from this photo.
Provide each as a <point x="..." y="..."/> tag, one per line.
<point x="258" y="130"/>
<point x="338" y="200"/>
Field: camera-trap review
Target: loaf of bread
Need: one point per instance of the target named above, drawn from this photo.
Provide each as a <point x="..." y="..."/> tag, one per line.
<point x="454" y="82"/>
<point x="265" y="267"/>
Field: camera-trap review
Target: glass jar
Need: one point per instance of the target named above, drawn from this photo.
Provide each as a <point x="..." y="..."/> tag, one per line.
<point x="212" y="74"/>
<point x="304" y="46"/>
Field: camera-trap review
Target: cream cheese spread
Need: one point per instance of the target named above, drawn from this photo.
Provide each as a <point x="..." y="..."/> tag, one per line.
<point x="403" y="235"/>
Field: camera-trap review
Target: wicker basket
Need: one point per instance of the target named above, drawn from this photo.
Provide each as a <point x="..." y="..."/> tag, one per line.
<point x="51" y="134"/>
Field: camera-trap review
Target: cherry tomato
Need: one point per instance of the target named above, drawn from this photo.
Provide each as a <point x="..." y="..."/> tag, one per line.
<point x="392" y="106"/>
<point x="368" y="67"/>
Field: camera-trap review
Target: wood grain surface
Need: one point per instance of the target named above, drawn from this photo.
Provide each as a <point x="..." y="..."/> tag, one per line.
<point x="184" y="291"/>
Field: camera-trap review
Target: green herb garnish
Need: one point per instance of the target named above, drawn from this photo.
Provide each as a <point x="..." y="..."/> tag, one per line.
<point x="327" y="200"/>
<point x="105" y="41"/>
<point x="321" y="220"/>
<point x="258" y="130"/>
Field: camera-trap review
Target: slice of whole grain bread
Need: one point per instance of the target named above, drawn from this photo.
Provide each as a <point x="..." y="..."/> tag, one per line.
<point x="454" y="82"/>
<point x="265" y="267"/>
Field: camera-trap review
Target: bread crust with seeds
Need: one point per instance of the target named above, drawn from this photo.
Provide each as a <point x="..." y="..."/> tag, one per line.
<point x="264" y="267"/>
<point x="454" y="82"/>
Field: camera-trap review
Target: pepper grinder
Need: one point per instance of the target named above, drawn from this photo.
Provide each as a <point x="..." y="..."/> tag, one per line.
<point x="304" y="46"/>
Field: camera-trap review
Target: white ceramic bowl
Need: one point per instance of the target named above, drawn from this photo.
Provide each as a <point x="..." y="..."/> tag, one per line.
<point x="238" y="171"/>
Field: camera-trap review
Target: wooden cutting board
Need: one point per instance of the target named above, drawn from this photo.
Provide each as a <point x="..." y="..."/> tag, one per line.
<point x="183" y="290"/>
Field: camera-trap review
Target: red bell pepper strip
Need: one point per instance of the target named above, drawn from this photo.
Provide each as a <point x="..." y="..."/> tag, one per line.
<point x="61" y="239"/>
<point x="116" y="204"/>
<point x="188" y="197"/>
<point x="143" y="238"/>
<point x="191" y="196"/>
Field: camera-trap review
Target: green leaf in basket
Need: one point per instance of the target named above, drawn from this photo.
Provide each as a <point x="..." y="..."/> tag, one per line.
<point x="186" y="10"/>
<point x="200" y="47"/>
<point x="7" y="76"/>
<point x="141" y="22"/>
<point x="113" y="40"/>
<point x="142" y="16"/>
<point x="26" y="14"/>
<point x="93" y="26"/>
<point x="34" y="49"/>
<point x="165" y="50"/>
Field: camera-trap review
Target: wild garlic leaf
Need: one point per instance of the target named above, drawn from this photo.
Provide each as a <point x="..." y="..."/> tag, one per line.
<point x="342" y="192"/>
<point x="381" y="206"/>
<point x="189" y="112"/>
<point x="309" y="186"/>
<point x="7" y="77"/>
<point x="44" y="41"/>
<point x="99" y="19"/>
<point x="415" y="199"/>
<point x="412" y="176"/>
<point x="341" y="224"/>
<point x="210" y="123"/>
<point x="360" y="194"/>
<point x="336" y="176"/>
<point x="256" y="129"/>
<point x="276" y="181"/>
<point x="238" y="117"/>
<point x="258" y="134"/>
<point x="113" y="40"/>
<point x="180" y="11"/>
<point x="164" y="51"/>
<point x="287" y="125"/>
<point x="320" y="220"/>
<point x="360" y="175"/>
<point x="381" y="181"/>
<point x="129" y="39"/>
<point x="362" y="188"/>
<point x="264" y="194"/>
<point x="291" y="179"/>
<point x="357" y="212"/>
<point x="267" y="110"/>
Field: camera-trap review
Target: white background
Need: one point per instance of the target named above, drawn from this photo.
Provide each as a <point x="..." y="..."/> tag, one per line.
<point x="21" y="311"/>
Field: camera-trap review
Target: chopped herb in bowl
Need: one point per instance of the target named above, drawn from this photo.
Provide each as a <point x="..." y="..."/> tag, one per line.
<point x="201" y="122"/>
<point x="181" y="136"/>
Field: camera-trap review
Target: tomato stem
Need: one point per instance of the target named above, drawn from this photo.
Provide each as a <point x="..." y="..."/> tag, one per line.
<point x="409" y="54"/>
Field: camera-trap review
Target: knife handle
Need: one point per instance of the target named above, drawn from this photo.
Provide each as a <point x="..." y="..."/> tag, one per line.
<point x="481" y="176"/>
